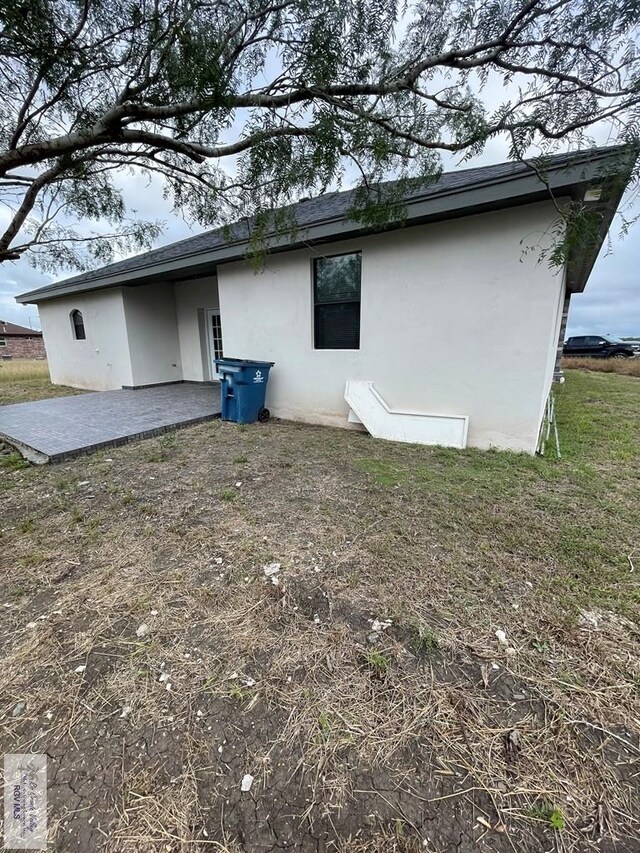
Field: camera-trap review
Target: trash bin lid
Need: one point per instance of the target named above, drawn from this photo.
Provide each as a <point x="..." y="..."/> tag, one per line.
<point x="242" y="362"/>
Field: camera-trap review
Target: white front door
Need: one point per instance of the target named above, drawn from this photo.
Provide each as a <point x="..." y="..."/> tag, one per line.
<point x="214" y="338"/>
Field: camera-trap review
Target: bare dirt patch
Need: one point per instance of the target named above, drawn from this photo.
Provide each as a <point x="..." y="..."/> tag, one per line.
<point x="369" y="692"/>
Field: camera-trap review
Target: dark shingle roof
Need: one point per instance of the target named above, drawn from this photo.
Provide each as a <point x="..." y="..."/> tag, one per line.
<point x="231" y="243"/>
<point x="17" y="331"/>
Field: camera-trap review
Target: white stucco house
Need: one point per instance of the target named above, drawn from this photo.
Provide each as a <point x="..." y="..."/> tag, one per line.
<point x="446" y="322"/>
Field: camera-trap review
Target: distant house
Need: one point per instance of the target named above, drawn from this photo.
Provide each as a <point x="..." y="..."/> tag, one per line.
<point x="442" y="328"/>
<point x="20" y="342"/>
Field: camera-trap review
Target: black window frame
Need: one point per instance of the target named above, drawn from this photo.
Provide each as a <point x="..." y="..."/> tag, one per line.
<point x="318" y="305"/>
<point x="78" y="328"/>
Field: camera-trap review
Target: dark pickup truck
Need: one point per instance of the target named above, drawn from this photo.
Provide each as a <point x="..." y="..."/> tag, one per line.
<point x="597" y="346"/>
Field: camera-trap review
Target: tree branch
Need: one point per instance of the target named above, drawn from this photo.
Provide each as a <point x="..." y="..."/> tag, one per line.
<point x="26" y="207"/>
<point x="164" y="85"/>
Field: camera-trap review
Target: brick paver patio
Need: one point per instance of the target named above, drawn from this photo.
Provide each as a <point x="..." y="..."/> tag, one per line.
<point x="63" y="427"/>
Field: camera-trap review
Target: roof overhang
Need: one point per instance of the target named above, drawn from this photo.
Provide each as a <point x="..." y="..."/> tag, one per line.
<point x="571" y="180"/>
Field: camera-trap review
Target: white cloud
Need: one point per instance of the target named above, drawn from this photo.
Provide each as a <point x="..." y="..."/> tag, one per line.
<point x="610" y="303"/>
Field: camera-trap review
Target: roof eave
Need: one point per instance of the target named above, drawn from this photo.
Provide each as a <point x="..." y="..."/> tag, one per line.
<point x="581" y="258"/>
<point x="492" y="194"/>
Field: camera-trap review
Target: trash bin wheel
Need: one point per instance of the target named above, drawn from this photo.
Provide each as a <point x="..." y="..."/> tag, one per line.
<point x="264" y="415"/>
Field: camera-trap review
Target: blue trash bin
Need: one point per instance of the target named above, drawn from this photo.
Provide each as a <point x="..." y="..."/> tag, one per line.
<point x="243" y="388"/>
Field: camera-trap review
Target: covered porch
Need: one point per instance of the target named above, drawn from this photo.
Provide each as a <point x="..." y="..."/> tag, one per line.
<point x="135" y="335"/>
<point x="174" y="330"/>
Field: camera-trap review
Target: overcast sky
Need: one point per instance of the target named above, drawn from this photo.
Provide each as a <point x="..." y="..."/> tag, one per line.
<point x="609" y="305"/>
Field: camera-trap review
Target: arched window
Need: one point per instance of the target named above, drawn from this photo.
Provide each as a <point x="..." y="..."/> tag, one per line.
<point x="77" y="324"/>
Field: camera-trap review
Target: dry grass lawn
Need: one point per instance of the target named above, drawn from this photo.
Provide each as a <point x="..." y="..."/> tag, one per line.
<point x="621" y="366"/>
<point x="28" y="379"/>
<point x="448" y="659"/>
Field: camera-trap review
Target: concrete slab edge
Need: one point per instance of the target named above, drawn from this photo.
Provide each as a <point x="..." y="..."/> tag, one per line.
<point x="29" y="453"/>
<point x="39" y="458"/>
